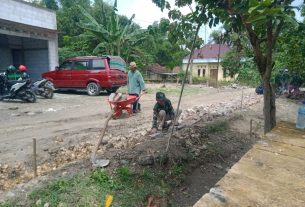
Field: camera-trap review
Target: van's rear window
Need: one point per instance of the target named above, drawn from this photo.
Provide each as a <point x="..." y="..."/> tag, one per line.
<point x="117" y="63"/>
<point x="98" y="64"/>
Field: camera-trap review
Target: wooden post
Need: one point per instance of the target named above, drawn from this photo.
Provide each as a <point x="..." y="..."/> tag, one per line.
<point x="251" y="121"/>
<point x="242" y="97"/>
<point x="101" y="138"/>
<point x="34" y="158"/>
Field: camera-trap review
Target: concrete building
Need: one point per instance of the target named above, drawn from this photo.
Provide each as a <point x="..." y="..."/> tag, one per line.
<point x="28" y="35"/>
<point x="205" y="62"/>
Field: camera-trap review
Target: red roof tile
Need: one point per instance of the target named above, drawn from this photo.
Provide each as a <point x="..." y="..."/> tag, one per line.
<point x="210" y="51"/>
<point x="156" y="68"/>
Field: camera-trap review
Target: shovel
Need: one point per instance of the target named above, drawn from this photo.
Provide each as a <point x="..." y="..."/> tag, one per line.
<point x="100" y="162"/>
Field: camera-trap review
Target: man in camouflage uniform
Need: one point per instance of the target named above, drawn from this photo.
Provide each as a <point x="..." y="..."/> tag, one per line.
<point x="163" y="113"/>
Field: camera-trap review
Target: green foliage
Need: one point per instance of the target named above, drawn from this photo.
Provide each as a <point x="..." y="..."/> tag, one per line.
<point x="231" y="63"/>
<point x="127" y="189"/>
<point x="248" y="74"/>
<point x="217" y="127"/>
<point x="178" y="169"/>
<point x="124" y="174"/>
<point x="199" y="80"/>
<point x="181" y="74"/>
<point x="67" y="53"/>
<point x="291" y="51"/>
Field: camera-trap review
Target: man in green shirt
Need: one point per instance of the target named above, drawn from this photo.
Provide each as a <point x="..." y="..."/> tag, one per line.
<point x="163" y="114"/>
<point x="135" y="85"/>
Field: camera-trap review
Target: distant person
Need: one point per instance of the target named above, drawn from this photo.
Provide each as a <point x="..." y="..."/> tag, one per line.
<point x="279" y="79"/>
<point x="163" y="113"/>
<point x="135" y="85"/>
<point x="12" y="73"/>
<point x="22" y="69"/>
<point x="286" y="78"/>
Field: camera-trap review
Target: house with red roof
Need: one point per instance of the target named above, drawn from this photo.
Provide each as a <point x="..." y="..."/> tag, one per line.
<point x="157" y="72"/>
<point x="205" y="62"/>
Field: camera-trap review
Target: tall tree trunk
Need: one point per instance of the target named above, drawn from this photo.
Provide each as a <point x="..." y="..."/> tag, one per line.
<point x="269" y="96"/>
<point x="269" y="106"/>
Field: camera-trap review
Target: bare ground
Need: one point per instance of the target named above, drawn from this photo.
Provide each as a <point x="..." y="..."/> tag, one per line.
<point x="67" y="127"/>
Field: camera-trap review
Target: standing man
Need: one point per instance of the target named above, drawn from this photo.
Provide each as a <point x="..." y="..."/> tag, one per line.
<point x="135" y="85"/>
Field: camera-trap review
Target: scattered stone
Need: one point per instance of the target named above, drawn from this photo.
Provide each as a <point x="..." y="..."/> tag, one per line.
<point x="146" y="160"/>
<point x="109" y="146"/>
<point x="13" y="108"/>
<point x="38" y="202"/>
<point x="161" y="158"/>
<point x="104" y="142"/>
<point x="46" y="205"/>
<point x="59" y="139"/>
<point x="124" y="162"/>
<point x="218" y="166"/>
<point x="10" y="194"/>
<point x="204" y="147"/>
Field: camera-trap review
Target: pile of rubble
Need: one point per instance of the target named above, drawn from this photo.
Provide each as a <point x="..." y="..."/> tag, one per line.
<point x="211" y="111"/>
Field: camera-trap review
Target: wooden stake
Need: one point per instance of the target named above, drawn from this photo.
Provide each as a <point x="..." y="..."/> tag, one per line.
<point x="242" y="97"/>
<point x="101" y="138"/>
<point x="251" y="122"/>
<point x="34" y="158"/>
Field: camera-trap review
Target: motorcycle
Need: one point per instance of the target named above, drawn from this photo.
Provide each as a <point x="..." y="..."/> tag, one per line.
<point x="16" y="90"/>
<point x="43" y="88"/>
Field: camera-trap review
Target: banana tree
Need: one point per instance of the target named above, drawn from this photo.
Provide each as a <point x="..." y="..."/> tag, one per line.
<point x="110" y="35"/>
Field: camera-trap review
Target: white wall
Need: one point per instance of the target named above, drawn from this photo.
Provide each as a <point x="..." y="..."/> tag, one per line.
<point x="25" y="13"/>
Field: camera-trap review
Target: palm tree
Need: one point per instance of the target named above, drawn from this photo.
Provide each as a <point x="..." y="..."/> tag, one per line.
<point x="110" y="35"/>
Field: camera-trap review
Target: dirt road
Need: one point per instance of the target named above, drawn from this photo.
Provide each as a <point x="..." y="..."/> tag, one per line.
<point x="71" y="118"/>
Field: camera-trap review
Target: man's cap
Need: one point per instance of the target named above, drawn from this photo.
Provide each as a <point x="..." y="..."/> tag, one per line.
<point x="160" y="96"/>
<point x="132" y="64"/>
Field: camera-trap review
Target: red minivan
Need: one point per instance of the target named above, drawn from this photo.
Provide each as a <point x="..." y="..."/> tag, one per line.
<point x="91" y="72"/>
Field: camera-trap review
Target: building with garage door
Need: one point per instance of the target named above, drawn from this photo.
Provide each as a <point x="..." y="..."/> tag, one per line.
<point x="28" y="35"/>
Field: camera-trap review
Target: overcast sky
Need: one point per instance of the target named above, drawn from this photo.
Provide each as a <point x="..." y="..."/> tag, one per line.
<point x="147" y="12"/>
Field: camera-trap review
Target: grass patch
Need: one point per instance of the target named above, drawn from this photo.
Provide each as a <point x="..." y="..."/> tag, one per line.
<point x="217" y="127"/>
<point x="127" y="188"/>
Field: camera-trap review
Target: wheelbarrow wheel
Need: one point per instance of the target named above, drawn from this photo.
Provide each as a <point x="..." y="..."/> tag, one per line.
<point x="93" y="89"/>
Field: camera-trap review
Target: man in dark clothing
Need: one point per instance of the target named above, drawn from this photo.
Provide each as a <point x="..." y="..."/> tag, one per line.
<point x="163" y="114"/>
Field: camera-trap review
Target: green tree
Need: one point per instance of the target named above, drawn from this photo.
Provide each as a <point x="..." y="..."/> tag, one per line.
<point x="291" y="50"/>
<point x="109" y="33"/>
<point x="51" y="4"/>
<point x="262" y="20"/>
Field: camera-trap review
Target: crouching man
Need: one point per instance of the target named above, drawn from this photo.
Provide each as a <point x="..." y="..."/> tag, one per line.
<point x="163" y="114"/>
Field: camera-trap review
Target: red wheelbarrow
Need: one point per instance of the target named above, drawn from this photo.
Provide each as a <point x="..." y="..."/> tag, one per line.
<point x="118" y="106"/>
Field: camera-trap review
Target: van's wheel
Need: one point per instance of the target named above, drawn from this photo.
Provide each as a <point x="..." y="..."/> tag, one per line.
<point x="93" y="89"/>
<point x="112" y="90"/>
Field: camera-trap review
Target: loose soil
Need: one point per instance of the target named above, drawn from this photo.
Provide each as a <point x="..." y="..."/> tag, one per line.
<point x="67" y="127"/>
